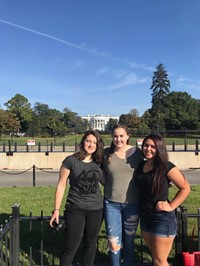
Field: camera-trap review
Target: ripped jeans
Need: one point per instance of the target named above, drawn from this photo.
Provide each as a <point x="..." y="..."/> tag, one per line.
<point x="121" y="220"/>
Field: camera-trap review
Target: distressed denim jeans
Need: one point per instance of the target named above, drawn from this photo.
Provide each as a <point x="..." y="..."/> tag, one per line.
<point x="121" y="220"/>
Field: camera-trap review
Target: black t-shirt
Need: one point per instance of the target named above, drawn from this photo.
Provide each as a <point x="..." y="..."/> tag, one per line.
<point x="84" y="180"/>
<point x="144" y="182"/>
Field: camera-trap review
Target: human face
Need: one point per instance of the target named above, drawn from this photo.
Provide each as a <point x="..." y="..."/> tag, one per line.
<point x="90" y="144"/>
<point x="120" y="137"/>
<point x="149" y="149"/>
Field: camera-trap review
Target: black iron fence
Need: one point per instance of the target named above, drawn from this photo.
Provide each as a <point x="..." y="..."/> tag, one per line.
<point x="9" y="147"/>
<point x="30" y="241"/>
<point x="9" y="240"/>
<point x="185" y="240"/>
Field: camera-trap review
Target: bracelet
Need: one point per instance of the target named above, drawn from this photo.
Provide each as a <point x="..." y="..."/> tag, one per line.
<point x="56" y="210"/>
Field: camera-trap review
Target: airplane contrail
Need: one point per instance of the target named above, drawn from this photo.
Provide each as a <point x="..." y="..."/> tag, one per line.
<point x="92" y="51"/>
<point x="80" y="47"/>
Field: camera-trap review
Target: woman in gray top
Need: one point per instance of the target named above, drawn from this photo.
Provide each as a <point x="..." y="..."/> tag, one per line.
<point x="121" y="197"/>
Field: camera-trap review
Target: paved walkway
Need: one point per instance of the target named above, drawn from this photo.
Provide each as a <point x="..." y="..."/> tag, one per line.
<point x="46" y="177"/>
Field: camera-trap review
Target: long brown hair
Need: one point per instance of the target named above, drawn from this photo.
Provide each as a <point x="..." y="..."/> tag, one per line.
<point x="97" y="156"/>
<point x="159" y="164"/>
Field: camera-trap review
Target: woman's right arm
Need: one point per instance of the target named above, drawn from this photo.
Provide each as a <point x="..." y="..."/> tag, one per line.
<point x="60" y="189"/>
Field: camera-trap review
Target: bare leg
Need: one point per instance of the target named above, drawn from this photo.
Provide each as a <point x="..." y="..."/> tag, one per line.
<point x="160" y="248"/>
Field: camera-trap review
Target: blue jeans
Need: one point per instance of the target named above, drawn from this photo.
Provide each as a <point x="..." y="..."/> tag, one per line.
<point x="162" y="224"/>
<point x="121" y="220"/>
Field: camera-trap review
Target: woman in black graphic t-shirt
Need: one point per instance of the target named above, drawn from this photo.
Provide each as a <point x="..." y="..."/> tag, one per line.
<point x="84" y="205"/>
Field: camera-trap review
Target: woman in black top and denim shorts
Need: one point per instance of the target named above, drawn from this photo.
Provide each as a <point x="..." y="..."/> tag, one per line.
<point x="157" y="213"/>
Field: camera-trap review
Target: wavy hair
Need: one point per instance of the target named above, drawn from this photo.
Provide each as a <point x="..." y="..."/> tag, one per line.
<point x="97" y="156"/>
<point x="159" y="164"/>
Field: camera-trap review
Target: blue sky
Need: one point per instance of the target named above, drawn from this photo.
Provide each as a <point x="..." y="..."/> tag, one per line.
<point x="97" y="56"/>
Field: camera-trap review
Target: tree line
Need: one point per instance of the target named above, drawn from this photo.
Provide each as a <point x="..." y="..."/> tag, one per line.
<point x="170" y="110"/>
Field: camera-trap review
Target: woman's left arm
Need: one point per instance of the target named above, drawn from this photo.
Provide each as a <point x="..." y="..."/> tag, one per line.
<point x="179" y="180"/>
<point x="103" y="178"/>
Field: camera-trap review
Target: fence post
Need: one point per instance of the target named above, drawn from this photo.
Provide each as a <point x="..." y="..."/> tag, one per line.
<point x="173" y="146"/>
<point x="197" y="145"/>
<point x="51" y="147"/>
<point x="47" y="145"/>
<point x="63" y="147"/>
<point x="39" y="147"/>
<point x="33" y="175"/>
<point x="185" y="145"/>
<point x="15" y="147"/>
<point x="199" y="229"/>
<point x="15" y="246"/>
<point x="178" y="241"/>
<point x="42" y="238"/>
<point x="9" y="146"/>
<point x="184" y="228"/>
<point x="4" y="147"/>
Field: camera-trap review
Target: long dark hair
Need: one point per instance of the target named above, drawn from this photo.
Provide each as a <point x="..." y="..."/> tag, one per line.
<point x="97" y="156"/>
<point x="112" y="145"/>
<point x="159" y="164"/>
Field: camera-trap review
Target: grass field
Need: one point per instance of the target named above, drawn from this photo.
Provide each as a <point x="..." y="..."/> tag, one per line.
<point x="35" y="199"/>
<point x="71" y="139"/>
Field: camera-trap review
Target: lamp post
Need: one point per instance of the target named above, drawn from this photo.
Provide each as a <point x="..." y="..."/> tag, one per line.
<point x="76" y="146"/>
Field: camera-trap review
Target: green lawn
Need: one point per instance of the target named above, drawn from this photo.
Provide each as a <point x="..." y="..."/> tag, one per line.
<point x="35" y="199"/>
<point x="71" y="139"/>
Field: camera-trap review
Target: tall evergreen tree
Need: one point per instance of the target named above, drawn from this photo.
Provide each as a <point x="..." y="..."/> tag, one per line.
<point x="160" y="88"/>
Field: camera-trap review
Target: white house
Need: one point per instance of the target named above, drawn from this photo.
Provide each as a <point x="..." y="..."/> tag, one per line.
<point x="99" y="122"/>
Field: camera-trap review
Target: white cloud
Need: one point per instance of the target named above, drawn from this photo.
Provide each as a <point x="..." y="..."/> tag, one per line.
<point x="78" y="64"/>
<point x="129" y="79"/>
<point x="188" y="84"/>
<point x="102" y="71"/>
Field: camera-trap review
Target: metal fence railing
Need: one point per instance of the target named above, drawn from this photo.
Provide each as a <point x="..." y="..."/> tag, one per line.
<point x="9" y="240"/>
<point x="9" y="147"/>
<point x="32" y="236"/>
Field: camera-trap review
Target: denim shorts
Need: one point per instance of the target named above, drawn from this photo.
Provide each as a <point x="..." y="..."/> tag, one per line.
<point x="162" y="224"/>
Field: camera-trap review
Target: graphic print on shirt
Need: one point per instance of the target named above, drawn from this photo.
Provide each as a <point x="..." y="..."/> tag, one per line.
<point x="88" y="181"/>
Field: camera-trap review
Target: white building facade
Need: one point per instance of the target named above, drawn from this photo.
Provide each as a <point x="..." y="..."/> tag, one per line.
<point x="99" y="122"/>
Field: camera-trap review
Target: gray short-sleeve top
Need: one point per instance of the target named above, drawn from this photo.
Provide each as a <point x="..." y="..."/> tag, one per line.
<point x="119" y="177"/>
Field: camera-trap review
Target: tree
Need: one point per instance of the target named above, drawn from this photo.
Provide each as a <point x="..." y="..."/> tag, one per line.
<point x="160" y="88"/>
<point x="181" y="111"/>
<point x="111" y="123"/>
<point x="134" y="112"/>
<point x="55" y="124"/>
<point x="8" y="122"/>
<point x="40" y="119"/>
<point x="145" y="124"/>
<point x="131" y="120"/>
<point x="21" y="109"/>
<point x="47" y="121"/>
<point x="74" y="122"/>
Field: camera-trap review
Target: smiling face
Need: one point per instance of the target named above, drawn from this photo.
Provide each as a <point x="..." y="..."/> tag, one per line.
<point x="149" y="149"/>
<point x="120" y="137"/>
<point x="90" y="144"/>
